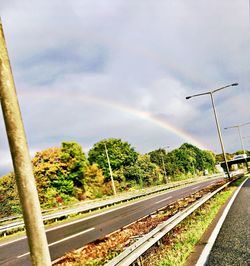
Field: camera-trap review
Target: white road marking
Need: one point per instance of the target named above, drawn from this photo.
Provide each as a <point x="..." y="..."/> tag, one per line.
<point x="98" y="214"/>
<point x="7" y="243"/>
<point x="209" y="245"/>
<point x="69" y="237"/>
<point x="62" y="240"/>
<point x="195" y="187"/>
<point x="163" y="199"/>
<point x="23" y="255"/>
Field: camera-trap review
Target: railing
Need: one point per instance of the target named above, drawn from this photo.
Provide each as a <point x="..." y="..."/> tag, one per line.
<point x="133" y="252"/>
<point x="92" y="206"/>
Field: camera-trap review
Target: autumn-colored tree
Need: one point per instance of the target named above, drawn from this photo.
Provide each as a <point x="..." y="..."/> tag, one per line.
<point x="60" y="172"/>
<point x="93" y="181"/>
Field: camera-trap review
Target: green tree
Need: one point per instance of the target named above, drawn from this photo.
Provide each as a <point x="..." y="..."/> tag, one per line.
<point x="121" y="154"/>
<point x="184" y="160"/>
<point x="9" y="200"/>
<point x="220" y="157"/>
<point x="143" y="172"/>
<point x="239" y="152"/>
<point x="157" y="156"/>
<point x="73" y="156"/>
<point x="208" y="158"/>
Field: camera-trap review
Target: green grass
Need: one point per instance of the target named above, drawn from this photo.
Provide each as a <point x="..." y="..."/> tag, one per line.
<point x="192" y="229"/>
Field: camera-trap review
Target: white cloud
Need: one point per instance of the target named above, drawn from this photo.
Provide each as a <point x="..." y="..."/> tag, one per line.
<point x="145" y="56"/>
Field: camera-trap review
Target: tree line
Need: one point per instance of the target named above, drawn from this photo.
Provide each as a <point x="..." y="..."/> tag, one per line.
<point x="67" y="175"/>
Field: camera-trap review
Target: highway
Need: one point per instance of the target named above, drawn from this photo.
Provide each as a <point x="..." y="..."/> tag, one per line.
<point x="73" y="235"/>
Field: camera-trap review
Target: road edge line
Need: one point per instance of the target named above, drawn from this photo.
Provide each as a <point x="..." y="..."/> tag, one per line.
<point x="208" y="247"/>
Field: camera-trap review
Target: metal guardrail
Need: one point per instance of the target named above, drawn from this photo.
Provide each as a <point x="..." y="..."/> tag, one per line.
<point x="95" y="206"/>
<point x="133" y="252"/>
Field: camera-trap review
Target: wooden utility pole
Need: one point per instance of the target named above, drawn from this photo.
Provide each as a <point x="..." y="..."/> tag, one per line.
<point x="110" y="170"/>
<point x="21" y="161"/>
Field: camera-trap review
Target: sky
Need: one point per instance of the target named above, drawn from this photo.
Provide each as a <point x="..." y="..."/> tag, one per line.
<point x="86" y="70"/>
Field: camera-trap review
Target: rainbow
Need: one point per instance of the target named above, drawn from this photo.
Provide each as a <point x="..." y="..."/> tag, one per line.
<point x="162" y="123"/>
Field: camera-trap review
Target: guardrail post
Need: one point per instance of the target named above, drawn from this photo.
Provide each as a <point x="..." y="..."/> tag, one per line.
<point x="21" y="161"/>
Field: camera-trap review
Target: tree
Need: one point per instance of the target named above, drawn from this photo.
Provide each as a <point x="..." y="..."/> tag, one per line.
<point x="121" y="154"/>
<point x="208" y="158"/>
<point x="73" y="156"/>
<point x="239" y="152"/>
<point x="9" y="200"/>
<point x="143" y="172"/>
<point x="93" y="181"/>
<point x="157" y="156"/>
<point x="220" y="157"/>
<point x="60" y="172"/>
<point x="186" y="159"/>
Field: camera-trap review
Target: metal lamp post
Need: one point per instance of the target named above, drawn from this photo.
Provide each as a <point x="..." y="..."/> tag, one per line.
<point x="216" y="118"/>
<point x="240" y="135"/>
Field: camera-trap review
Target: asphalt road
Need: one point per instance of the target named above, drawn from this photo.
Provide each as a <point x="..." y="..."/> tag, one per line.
<point x="232" y="246"/>
<point x="75" y="234"/>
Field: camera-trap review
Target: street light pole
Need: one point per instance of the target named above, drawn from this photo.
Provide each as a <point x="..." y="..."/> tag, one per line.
<point x="110" y="170"/>
<point x="216" y="118"/>
<point x="240" y="135"/>
<point x="241" y="139"/>
<point x="219" y="133"/>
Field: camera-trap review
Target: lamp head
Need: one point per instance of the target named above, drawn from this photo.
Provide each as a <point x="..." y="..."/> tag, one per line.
<point x="188" y="97"/>
<point x="235" y="84"/>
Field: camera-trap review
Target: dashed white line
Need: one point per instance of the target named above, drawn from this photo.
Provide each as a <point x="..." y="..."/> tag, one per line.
<point x="69" y="237"/>
<point x="62" y="240"/>
<point x="23" y="255"/>
<point x="7" y="243"/>
<point x="164" y="199"/>
<point x="195" y="187"/>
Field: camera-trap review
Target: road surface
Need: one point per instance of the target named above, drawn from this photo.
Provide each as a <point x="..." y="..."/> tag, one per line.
<point x="75" y="234"/>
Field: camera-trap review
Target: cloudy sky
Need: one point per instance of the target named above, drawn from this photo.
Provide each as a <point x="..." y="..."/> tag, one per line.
<point x="89" y="69"/>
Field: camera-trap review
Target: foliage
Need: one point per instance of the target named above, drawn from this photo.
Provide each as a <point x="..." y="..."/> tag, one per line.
<point x="185" y="160"/>
<point x="120" y="153"/>
<point x="208" y="160"/>
<point x="144" y="172"/>
<point x="178" y="246"/>
<point x="59" y="172"/>
<point x="93" y="181"/>
<point x="158" y="156"/>
<point x="75" y="160"/>
<point x="64" y="175"/>
<point x="9" y="200"/>
<point x="220" y="157"/>
<point x="242" y="152"/>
